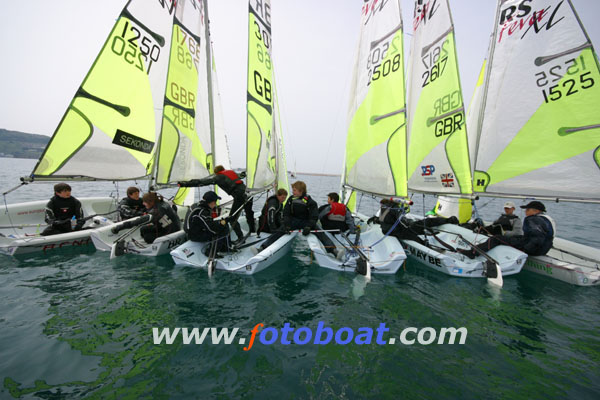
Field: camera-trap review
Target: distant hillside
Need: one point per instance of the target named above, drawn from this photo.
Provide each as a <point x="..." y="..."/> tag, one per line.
<point x="21" y="145"/>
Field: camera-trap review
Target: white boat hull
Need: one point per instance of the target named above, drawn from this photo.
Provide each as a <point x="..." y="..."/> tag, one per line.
<point x="386" y="257"/>
<point x="104" y="240"/>
<point x="21" y="225"/>
<point x="510" y="260"/>
<point x="243" y="261"/>
<point x="569" y="262"/>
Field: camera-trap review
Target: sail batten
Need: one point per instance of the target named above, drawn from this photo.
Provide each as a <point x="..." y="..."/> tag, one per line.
<point x="538" y="126"/>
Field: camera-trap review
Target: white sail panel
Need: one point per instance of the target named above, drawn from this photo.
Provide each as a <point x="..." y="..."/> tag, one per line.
<point x="438" y="159"/>
<point x="539" y="126"/>
<point x="111" y="127"/>
<point x="375" y="158"/>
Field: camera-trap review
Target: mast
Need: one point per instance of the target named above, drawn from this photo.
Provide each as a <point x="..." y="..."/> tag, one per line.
<point x="210" y="88"/>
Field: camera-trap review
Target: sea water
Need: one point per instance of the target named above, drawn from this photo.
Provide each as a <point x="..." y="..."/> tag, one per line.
<point x="76" y="325"/>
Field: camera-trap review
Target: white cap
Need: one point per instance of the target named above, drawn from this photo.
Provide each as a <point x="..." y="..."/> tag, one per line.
<point x="509" y="204"/>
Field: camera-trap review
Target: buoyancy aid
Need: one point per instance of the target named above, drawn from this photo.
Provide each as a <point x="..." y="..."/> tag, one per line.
<point x="231" y="175"/>
<point x="337" y="212"/>
<point x="506" y="221"/>
<point x="299" y="207"/>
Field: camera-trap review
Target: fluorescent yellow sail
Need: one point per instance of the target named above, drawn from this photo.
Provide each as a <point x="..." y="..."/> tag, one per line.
<point x="262" y="141"/>
<point x="110" y="129"/>
<point x="375" y="159"/>
<point x="182" y="156"/>
<point x="539" y="127"/>
<point x="438" y="157"/>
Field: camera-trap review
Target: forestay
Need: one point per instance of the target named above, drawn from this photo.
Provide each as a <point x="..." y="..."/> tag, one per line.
<point x="375" y="159"/>
<point x="539" y="127"/>
<point x="438" y="157"/>
<point x="111" y="126"/>
<point x="264" y="151"/>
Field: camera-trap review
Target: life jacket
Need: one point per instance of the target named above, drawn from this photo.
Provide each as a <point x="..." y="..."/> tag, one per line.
<point x="231" y="175"/>
<point x="506" y="221"/>
<point x="299" y="207"/>
<point x="552" y="223"/>
<point x="337" y="212"/>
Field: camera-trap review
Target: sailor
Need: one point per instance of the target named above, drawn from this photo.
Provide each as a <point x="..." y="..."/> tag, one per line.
<point x="131" y="206"/>
<point x="160" y="220"/>
<point x="393" y="221"/>
<point x="231" y="183"/>
<point x="335" y="215"/>
<point x="200" y="224"/>
<point x="271" y="217"/>
<point x="300" y="212"/>
<point x="538" y="233"/>
<point x="62" y="210"/>
<point x="508" y="223"/>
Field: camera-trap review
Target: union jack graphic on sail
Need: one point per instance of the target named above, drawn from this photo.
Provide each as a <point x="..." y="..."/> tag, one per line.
<point x="447" y="179"/>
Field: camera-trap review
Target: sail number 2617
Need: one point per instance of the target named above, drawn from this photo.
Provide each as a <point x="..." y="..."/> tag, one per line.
<point x="576" y="68"/>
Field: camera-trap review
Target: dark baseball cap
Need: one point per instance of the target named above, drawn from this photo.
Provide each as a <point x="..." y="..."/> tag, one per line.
<point x="210" y="196"/>
<point x="537" y="205"/>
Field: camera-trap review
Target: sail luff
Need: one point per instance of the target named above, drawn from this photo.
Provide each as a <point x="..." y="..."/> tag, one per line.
<point x="211" y="111"/>
<point x="486" y="80"/>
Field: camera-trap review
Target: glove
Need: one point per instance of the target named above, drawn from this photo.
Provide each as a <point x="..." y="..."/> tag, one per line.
<point x="115" y="229"/>
<point x="242" y="174"/>
<point x="224" y="222"/>
<point x="372" y="220"/>
<point x="306" y="231"/>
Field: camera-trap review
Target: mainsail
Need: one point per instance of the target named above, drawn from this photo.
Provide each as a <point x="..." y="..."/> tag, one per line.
<point x="539" y="127"/>
<point x="438" y="157"/>
<point x="375" y="160"/>
<point x="264" y="146"/>
<point x="185" y="150"/>
<point x="112" y="124"/>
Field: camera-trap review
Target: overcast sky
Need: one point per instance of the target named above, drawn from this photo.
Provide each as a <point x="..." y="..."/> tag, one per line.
<point x="47" y="48"/>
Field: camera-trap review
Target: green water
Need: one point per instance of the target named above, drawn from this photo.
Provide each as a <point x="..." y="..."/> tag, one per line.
<point x="80" y="326"/>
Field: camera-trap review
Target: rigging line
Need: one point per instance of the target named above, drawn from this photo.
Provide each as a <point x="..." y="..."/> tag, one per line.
<point x="289" y="137"/>
<point x="336" y="120"/>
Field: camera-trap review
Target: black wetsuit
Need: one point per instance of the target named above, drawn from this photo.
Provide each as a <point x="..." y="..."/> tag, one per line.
<point x="200" y="225"/>
<point x="130" y="208"/>
<point x="298" y="213"/>
<point x="271" y="217"/>
<point x="537" y="238"/>
<point x="161" y="220"/>
<point x="59" y="213"/>
<point x="230" y="182"/>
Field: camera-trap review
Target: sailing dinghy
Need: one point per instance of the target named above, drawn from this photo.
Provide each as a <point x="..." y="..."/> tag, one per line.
<point x="109" y="130"/>
<point x="537" y="126"/>
<point x="186" y="148"/>
<point x="438" y="157"/>
<point x="375" y="160"/>
<point x="265" y="159"/>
